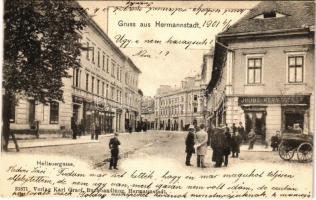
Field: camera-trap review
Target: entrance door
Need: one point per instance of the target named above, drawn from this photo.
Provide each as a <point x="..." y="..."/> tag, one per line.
<point x="256" y="120"/>
<point x="75" y="113"/>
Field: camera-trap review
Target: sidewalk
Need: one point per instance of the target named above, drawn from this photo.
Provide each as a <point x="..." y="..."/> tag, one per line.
<point x="51" y="142"/>
<point x="256" y="148"/>
<point x="44" y="141"/>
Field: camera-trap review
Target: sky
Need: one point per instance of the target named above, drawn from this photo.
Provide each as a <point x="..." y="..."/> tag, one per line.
<point x="163" y="62"/>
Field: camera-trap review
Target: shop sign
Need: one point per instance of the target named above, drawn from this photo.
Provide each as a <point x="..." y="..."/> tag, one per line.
<point x="291" y="99"/>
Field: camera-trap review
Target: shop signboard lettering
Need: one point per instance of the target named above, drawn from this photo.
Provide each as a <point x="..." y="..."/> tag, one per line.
<point x="294" y="99"/>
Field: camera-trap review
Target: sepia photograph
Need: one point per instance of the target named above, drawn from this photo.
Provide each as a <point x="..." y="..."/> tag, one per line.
<point x="157" y="99"/>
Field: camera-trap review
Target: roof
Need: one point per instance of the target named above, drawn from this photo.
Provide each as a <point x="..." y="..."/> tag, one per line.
<point x="296" y="15"/>
<point x="133" y="65"/>
<point x="104" y="35"/>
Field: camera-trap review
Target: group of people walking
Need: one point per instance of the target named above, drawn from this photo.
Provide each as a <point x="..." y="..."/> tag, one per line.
<point x="223" y="141"/>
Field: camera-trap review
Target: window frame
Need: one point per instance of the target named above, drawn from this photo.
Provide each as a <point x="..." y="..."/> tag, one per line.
<point x="254" y="57"/>
<point x="99" y="58"/>
<point x="103" y="61"/>
<point x="88" y="51"/>
<point x="87" y="82"/>
<point x="92" y="57"/>
<point x="56" y="121"/>
<point x="92" y="84"/>
<point x="295" y="54"/>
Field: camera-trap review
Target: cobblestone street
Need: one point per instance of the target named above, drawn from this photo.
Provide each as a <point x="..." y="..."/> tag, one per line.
<point x="162" y="153"/>
<point x="160" y="145"/>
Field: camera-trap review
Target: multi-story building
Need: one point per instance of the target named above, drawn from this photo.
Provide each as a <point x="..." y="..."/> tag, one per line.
<point x="177" y="107"/>
<point x="104" y="90"/>
<point x="148" y="112"/>
<point x="263" y="71"/>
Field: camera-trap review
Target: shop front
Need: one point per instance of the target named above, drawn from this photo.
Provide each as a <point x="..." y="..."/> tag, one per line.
<point x="267" y="114"/>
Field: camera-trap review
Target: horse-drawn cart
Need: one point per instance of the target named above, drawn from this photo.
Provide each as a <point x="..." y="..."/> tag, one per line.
<point x="301" y="144"/>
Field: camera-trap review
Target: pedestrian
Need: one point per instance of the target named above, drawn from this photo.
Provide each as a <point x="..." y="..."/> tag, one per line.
<point x="275" y="141"/>
<point x="227" y="146"/>
<point x="201" y="146"/>
<point x="92" y="130"/>
<point x="114" y="147"/>
<point x="217" y="144"/>
<point x="189" y="145"/>
<point x="251" y="138"/>
<point x="241" y="131"/>
<point x="74" y="128"/>
<point x="6" y="132"/>
<point x="234" y="128"/>
<point x="80" y="128"/>
<point x="97" y="130"/>
<point x="226" y="128"/>
<point x="6" y="135"/>
<point x="236" y="141"/>
<point x="130" y="128"/>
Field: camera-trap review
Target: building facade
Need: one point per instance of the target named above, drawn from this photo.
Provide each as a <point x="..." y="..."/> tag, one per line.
<point x="264" y="70"/>
<point x="104" y="90"/>
<point x="148" y="112"/>
<point x="176" y="108"/>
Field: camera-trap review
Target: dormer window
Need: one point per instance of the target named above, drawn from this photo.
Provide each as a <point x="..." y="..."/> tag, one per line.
<point x="269" y="15"/>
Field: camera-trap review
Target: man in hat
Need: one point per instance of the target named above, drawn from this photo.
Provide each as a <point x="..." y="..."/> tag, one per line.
<point x="201" y="147"/>
<point x="275" y="141"/>
<point x="189" y="145"/>
<point x="251" y="138"/>
<point x="114" y="146"/>
<point x="218" y="143"/>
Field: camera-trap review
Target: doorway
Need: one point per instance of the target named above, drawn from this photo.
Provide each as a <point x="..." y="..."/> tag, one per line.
<point x="256" y="120"/>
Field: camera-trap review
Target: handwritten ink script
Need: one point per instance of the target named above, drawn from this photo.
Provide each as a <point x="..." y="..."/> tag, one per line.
<point x="73" y="178"/>
<point x="155" y="30"/>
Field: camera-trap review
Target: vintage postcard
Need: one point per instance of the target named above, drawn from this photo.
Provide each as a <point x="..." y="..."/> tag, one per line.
<point x="158" y="99"/>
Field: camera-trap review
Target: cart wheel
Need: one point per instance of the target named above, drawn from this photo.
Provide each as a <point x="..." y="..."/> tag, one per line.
<point x="305" y="152"/>
<point x="286" y="152"/>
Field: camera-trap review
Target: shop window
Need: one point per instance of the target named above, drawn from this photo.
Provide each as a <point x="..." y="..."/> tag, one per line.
<point x="295" y="69"/>
<point x="293" y="120"/>
<point x="54" y="112"/>
<point x="254" y="67"/>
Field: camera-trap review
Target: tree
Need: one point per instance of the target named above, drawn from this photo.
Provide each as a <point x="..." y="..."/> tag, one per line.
<point x="41" y="43"/>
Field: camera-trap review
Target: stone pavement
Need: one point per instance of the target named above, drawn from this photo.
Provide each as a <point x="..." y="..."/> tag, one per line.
<point x="256" y="148"/>
<point x="58" y="141"/>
